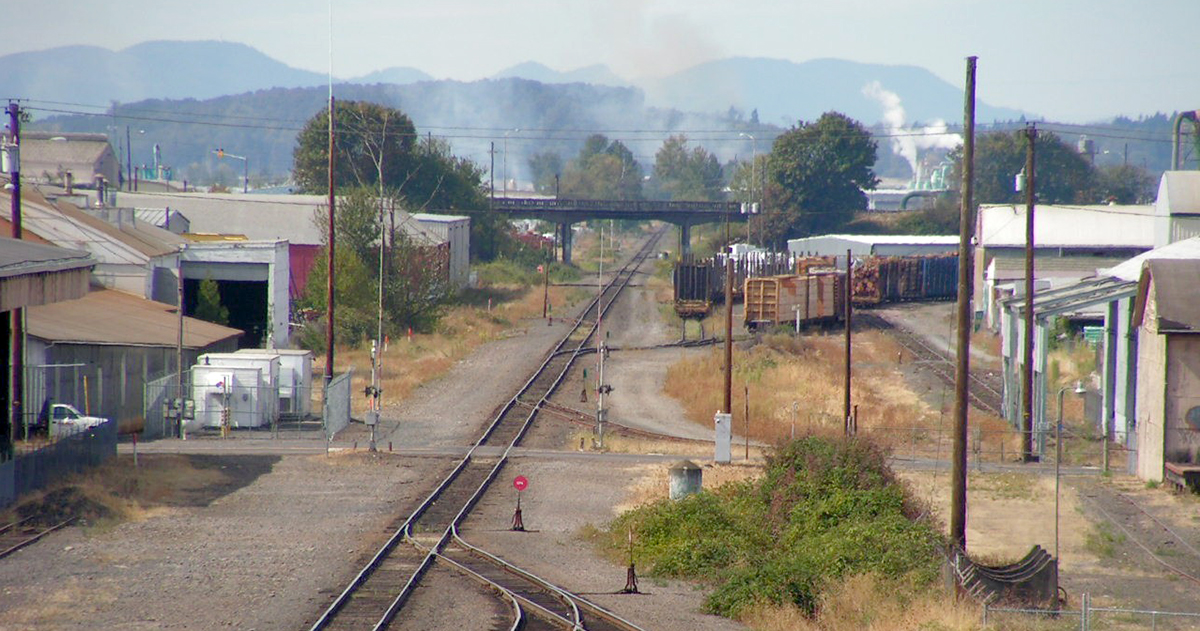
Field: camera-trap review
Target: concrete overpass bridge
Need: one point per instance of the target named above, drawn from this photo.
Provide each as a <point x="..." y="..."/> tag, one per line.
<point x="564" y="212"/>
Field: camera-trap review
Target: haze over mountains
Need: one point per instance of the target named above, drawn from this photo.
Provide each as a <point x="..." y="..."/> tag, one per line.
<point x="782" y="91"/>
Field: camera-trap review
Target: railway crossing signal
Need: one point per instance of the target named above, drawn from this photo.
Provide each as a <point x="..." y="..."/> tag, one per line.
<point x="520" y="483"/>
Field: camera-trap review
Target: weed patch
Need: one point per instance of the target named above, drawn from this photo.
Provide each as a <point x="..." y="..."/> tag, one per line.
<point x="825" y="508"/>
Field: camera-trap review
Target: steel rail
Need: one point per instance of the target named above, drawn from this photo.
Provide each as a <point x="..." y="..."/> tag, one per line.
<point x="34" y="537"/>
<point x="404" y="532"/>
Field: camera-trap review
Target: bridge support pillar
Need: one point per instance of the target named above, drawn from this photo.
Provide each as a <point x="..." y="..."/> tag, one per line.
<point x="685" y="239"/>
<point x="564" y="232"/>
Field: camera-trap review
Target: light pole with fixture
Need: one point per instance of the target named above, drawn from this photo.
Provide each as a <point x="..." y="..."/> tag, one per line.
<point x="506" y="133"/>
<point x="1078" y="389"/>
<point x="221" y="153"/>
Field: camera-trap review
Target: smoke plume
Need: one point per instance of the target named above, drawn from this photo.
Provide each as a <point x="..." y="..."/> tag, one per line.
<point x="908" y="141"/>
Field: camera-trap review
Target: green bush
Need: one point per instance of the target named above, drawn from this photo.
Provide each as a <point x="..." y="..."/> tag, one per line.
<point x="825" y="509"/>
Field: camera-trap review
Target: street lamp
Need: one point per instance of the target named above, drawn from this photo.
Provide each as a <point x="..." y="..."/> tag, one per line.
<point x="753" y="177"/>
<point x="1077" y="389"/>
<point x="221" y="153"/>
<point x="511" y="131"/>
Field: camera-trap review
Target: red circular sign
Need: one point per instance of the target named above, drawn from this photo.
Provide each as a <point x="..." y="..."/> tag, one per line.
<point x="519" y="483"/>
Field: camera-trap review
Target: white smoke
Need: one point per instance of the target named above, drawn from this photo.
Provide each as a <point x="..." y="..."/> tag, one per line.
<point x="908" y="141"/>
<point x="649" y="43"/>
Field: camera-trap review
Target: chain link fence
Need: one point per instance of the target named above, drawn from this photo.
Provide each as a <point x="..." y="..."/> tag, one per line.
<point x="72" y="450"/>
<point x="1089" y="618"/>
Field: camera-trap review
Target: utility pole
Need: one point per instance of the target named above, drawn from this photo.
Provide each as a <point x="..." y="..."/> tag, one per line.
<point x="177" y="404"/>
<point x="18" y="315"/>
<point x="492" y="171"/>
<point x="128" y="161"/>
<point x="727" y="407"/>
<point x="330" y="252"/>
<point x="1027" y="375"/>
<point x="849" y="315"/>
<point x="958" y="482"/>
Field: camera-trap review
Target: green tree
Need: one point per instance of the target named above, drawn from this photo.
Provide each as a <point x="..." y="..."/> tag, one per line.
<point x="603" y="170"/>
<point x="1125" y="184"/>
<point x="816" y="176"/>
<point x="208" y="303"/>
<point x="373" y="143"/>
<point x="1063" y="176"/>
<point x="545" y="167"/>
<point x="687" y="175"/>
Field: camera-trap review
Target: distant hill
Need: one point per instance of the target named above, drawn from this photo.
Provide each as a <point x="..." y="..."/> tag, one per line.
<point x="471" y="116"/>
<point x="399" y="75"/>
<point x="784" y="91"/>
<point x="533" y="71"/>
<point x="164" y="70"/>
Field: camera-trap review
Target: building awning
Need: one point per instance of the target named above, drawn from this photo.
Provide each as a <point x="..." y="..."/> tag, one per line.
<point x="34" y="274"/>
<point x="112" y="317"/>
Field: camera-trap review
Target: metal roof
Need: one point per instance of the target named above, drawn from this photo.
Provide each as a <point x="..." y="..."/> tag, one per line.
<point x="1176" y="295"/>
<point x="1059" y="226"/>
<point x="1073" y="298"/>
<point x="262" y="217"/>
<point x="1011" y="268"/>
<point x="888" y="239"/>
<point x="1179" y="193"/>
<point x="23" y="257"/>
<point x="67" y="226"/>
<point x="1131" y="269"/>
<point x="111" y="317"/>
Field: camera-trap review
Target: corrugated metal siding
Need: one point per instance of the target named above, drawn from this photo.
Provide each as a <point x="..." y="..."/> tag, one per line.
<point x="29" y="290"/>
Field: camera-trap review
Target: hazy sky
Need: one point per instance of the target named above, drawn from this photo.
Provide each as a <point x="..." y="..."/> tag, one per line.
<point x="1069" y="60"/>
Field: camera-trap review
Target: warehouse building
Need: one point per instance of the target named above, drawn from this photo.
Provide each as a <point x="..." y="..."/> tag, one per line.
<point x="873" y="245"/>
<point x="1167" y="319"/>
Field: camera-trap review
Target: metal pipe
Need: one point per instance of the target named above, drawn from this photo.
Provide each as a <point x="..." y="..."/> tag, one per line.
<point x="1176" y="133"/>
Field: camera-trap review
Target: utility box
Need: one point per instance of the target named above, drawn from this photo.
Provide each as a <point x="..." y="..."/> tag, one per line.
<point x="686" y="478"/>
<point x="225" y="395"/>
<point x="266" y="391"/>
<point x="723" y="424"/>
<point x="295" y="379"/>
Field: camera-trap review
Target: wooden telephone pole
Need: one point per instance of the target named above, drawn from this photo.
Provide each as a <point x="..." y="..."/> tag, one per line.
<point x="958" y="483"/>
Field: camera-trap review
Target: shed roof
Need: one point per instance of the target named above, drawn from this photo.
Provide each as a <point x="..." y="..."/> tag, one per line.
<point x="72" y="152"/>
<point x="1179" y="193"/>
<point x="1131" y="269"/>
<point x="111" y="317"/>
<point x="1176" y="294"/>
<point x="890" y="239"/>
<point x="1098" y="226"/>
<point x="258" y="217"/>
<point x="18" y="257"/>
<point x="1011" y="268"/>
<point x="66" y="225"/>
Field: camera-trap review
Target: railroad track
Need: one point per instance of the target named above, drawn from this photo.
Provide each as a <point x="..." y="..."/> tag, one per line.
<point x="378" y="593"/>
<point x="982" y="394"/>
<point x="18" y="534"/>
<point x="1165" y="547"/>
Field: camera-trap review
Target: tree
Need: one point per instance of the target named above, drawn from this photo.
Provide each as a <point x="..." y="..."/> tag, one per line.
<point x="373" y="143"/>
<point x="1063" y="176"/>
<point x="603" y="170"/>
<point x="208" y="303"/>
<point x="687" y="175"/>
<point x="816" y="176"/>
<point x="1125" y="184"/>
<point x="545" y="167"/>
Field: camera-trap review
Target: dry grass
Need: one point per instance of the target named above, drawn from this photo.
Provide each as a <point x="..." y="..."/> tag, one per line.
<point x="116" y="491"/>
<point x="799" y="380"/>
<point x="410" y="361"/>
<point x="865" y="603"/>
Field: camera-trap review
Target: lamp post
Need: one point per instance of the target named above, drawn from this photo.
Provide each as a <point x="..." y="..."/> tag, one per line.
<point x="511" y="131"/>
<point x="221" y="153"/>
<point x="1078" y="389"/>
<point x="753" y="177"/>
